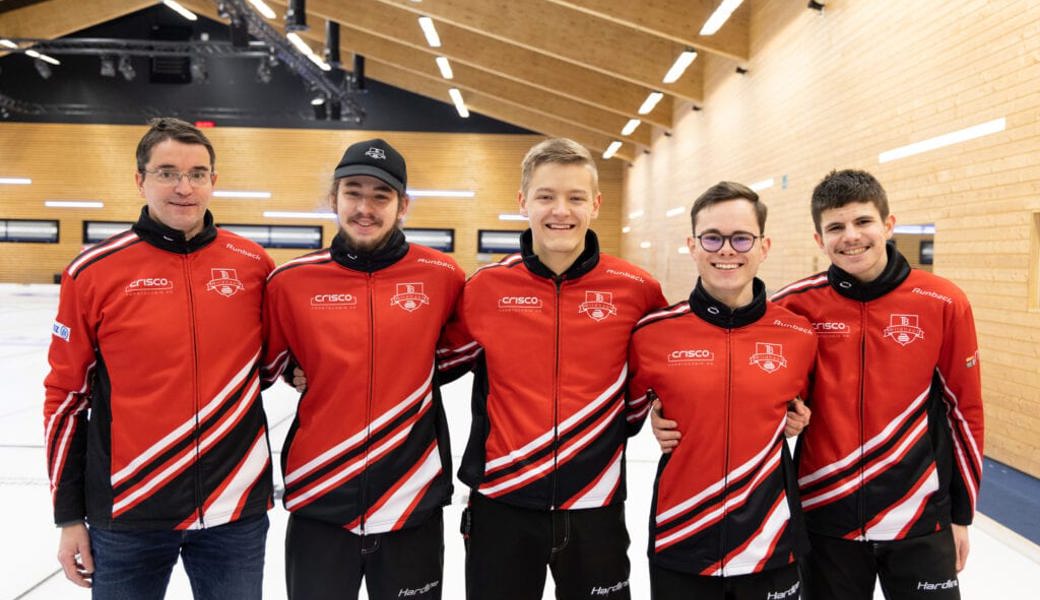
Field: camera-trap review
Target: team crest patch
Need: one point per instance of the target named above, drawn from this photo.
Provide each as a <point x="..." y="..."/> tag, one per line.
<point x="768" y="357"/>
<point x="410" y="296"/>
<point x="224" y="282"/>
<point x="598" y="305"/>
<point x="903" y="329"/>
<point x="376" y="153"/>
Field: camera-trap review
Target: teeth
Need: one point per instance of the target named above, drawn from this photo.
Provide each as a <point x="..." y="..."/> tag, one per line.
<point x="853" y="251"/>
<point x="725" y="266"/>
<point x="557" y="226"/>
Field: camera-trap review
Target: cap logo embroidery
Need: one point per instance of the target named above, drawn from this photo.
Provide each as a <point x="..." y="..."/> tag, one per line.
<point x="598" y="305"/>
<point x="768" y="356"/>
<point x="224" y="282"/>
<point x="376" y="153"/>
<point x="903" y="329"/>
<point x="410" y="296"/>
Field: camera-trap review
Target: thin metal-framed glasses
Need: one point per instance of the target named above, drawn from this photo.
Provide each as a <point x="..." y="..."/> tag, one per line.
<point x="740" y="242"/>
<point x="196" y="177"/>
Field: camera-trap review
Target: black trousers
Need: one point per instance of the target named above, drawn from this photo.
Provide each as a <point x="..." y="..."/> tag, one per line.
<point x="923" y="568"/>
<point x="508" y="549"/>
<point x="326" y="562"/>
<point x="774" y="584"/>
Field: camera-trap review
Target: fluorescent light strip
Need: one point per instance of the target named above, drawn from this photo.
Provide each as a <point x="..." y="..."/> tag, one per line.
<point x="288" y="214"/>
<point x="635" y="214"/>
<point x="765" y="184"/>
<point x="460" y="104"/>
<point x="445" y="67"/>
<point x="679" y="66"/>
<point x="262" y="8"/>
<point x="15" y="180"/>
<point x="630" y="126"/>
<point x="955" y="137"/>
<point x="8" y="43"/>
<point x="611" y="149"/>
<point x="626" y="229"/>
<point x="720" y="16"/>
<point x="240" y="194"/>
<point x="684" y="249"/>
<point x="428" y="29"/>
<point x="675" y="212"/>
<point x="650" y="102"/>
<point x="187" y="14"/>
<point x="645" y="245"/>
<point x="43" y="57"/>
<point x="441" y="193"/>
<point x="305" y="48"/>
<point x="73" y="204"/>
<point x="511" y="217"/>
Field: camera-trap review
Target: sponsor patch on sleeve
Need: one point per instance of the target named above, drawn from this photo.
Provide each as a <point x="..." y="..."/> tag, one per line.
<point x="61" y="331"/>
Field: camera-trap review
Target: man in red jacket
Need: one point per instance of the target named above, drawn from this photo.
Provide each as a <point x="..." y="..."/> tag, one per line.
<point x="155" y="434"/>
<point x="367" y="465"/>
<point x="889" y="474"/>
<point x="725" y="520"/>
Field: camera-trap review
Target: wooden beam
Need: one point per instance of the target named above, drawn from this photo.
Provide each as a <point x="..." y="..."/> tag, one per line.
<point x="676" y="20"/>
<point x="462" y="46"/>
<point x="579" y="38"/>
<point x="57" y="18"/>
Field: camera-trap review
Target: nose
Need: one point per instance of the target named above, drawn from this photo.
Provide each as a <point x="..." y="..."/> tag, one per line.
<point x="559" y="206"/>
<point x="183" y="187"/>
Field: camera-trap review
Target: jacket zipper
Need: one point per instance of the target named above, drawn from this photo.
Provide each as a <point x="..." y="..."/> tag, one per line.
<point x="862" y="410"/>
<point x="558" y="282"/>
<point x="195" y="389"/>
<point x="368" y="400"/>
<point x="725" y="448"/>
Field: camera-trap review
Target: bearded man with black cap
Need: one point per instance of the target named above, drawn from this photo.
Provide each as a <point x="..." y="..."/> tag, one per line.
<point x="366" y="462"/>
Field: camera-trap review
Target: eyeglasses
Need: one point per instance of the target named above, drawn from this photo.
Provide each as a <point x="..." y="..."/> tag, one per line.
<point x="740" y="242"/>
<point x="196" y="177"/>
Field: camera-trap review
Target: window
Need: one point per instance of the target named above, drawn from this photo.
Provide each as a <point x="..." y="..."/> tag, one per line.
<point x="308" y="237"/>
<point x="438" y="239"/>
<point x="98" y="231"/>
<point x="23" y="230"/>
<point x="497" y="241"/>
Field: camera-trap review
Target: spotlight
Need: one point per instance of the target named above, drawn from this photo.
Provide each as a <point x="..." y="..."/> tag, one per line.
<point x="296" y="16"/>
<point x="263" y="71"/>
<point x="42" y="68"/>
<point x="335" y="110"/>
<point x="320" y="110"/>
<point x="817" y="6"/>
<point x="332" y="43"/>
<point x="199" y="73"/>
<point x="359" y="73"/>
<point x="741" y="71"/>
<point x="126" y="68"/>
<point x="108" y="66"/>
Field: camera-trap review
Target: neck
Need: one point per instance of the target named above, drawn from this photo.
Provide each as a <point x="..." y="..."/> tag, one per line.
<point x="556" y="262"/>
<point x="733" y="299"/>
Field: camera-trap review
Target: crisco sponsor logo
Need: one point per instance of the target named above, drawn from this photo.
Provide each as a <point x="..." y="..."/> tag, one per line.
<point x="520" y="303"/>
<point x="831" y="328"/>
<point x="439" y="263"/>
<point x="626" y="274"/>
<point x="691" y="356"/>
<point x="149" y="285"/>
<point x="333" y="300"/>
<point x="932" y="294"/>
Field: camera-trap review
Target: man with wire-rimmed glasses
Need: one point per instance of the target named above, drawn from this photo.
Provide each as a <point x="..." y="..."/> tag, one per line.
<point x="155" y="435"/>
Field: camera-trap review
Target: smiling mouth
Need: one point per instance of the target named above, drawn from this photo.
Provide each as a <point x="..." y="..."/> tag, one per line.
<point x="559" y="226"/>
<point x="726" y="266"/>
<point x="853" y="251"/>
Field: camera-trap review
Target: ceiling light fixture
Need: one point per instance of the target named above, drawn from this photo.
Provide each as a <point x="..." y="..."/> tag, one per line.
<point x="630" y="126"/>
<point x="612" y="149"/>
<point x="954" y="137"/>
<point x="645" y="245"/>
<point x="430" y="31"/>
<point x="176" y="6"/>
<point x="74" y="204"/>
<point x="635" y="214"/>
<point x="43" y="57"/>
<point x="445" y="67"/>
<point x="511" y="217"/>
<point x="720" y="16"/>
<point x="626" y="229"/>
<point x="8" y="43"/>
<point x="240" y="194"/>
<point x="15" y="181"/>
<point x="289" y="214"/>
<point x="460" y="104"/>
<point x="679" y="66"/>
<point x="441" y="193"/>
<point x="262" y="8"/>
<point x="675" y="212"/>
<point x="765" y="184"/>
<point x="650" y="102"/>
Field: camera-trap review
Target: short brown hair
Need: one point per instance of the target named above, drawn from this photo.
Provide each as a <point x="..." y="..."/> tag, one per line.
<point x="169" y="128"/>
<point x="839" y="188"/>
<point x="724" y="191"/>
<point x="559" y="151"/>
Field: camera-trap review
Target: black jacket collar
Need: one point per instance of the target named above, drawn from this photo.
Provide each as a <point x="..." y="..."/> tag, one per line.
<point x="896" y="271"/>
<point x="172" y="240"/>
<point x="711" y="310"/>
<point x="587" y="261"/>
<point x="392" y="251"/>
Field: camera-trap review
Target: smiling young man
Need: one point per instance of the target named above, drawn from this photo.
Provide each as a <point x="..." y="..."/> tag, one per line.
<point x="545" y="458"/>
<point x="367" y="464"/>
<point x="724" y="364"/>
<point x="156" y="437"/>
<point x="890" y="470"/>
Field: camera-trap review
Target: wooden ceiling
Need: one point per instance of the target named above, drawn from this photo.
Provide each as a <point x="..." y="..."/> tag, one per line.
<point x="572" y="68"/>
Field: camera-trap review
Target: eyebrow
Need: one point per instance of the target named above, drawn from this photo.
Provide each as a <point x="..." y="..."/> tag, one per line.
<point x="172" y="166"/>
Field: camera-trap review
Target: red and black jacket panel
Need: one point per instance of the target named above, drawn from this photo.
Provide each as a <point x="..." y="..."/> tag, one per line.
<point x="158" y="339"/>
<point x="895" y="448"/>
<point x="368" y="449"/>
<point x="725" y="500"/>
<point x="550" y="418"/>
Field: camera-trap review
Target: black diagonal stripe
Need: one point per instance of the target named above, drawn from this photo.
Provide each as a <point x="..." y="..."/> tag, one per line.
<point x="285" y="268"/>
<point x="824" y="283"/>
<point x="373" y="439"/>
<point x="655" y="318"/>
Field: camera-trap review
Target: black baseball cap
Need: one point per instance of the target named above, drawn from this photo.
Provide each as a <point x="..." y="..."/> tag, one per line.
<point x="375" y="158"/>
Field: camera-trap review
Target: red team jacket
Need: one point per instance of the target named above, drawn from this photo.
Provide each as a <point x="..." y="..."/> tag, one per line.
<point x="549" y="413"/>
<point x="725" y="500"/>
<point x="895" y="448"/>
<point x="368" y="449"/>
<point x="158" y="338"/>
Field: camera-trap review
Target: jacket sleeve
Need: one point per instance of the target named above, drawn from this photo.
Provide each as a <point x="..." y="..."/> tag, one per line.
<point x="72" y="358"/>
<point x="638" y="394"/>
<point x="959" y="371"/>
<point x="457" y="350"/>
<point x="276" y="359"/>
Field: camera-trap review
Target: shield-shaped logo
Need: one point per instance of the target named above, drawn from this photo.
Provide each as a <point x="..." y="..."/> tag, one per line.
<point x="903" y="329"/>
<point x="768" y="356"/>
<point x="224" y="282"/>
<point x="598" y="305"/>
<point x="376" y="153"/>
<point x="410" y="296"/>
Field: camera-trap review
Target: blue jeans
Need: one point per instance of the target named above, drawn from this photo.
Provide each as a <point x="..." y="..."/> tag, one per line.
<point x="223" y="563"/>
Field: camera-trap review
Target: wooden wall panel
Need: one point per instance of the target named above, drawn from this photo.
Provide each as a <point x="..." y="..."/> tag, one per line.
<point x="833" y="91"/>
<point x="80" y="162"/>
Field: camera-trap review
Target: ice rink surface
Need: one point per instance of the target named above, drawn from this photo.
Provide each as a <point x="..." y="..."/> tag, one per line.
<point x="1002" y="565"/>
